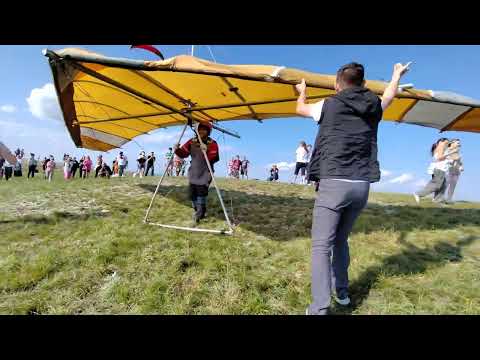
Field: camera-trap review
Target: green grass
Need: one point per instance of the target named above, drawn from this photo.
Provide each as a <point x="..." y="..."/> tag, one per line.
<point x="81" y="247"/>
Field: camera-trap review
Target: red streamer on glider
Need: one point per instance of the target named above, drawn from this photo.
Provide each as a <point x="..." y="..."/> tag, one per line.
<point x="150" y="48"/>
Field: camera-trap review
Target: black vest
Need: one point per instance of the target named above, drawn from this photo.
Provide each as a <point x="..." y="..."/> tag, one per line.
<point x="346" y="143"/>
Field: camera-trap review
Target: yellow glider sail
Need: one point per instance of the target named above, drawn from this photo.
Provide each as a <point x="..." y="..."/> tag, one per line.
<point x="106" y="102"/>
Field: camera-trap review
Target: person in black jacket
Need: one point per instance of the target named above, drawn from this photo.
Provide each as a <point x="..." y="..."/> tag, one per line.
<point x="75" y="166"/>
<point x="344" y="163"/>
<point x="150" y="163"/>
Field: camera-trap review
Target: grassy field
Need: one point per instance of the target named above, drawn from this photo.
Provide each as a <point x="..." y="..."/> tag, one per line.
<point x="80" y="247"/>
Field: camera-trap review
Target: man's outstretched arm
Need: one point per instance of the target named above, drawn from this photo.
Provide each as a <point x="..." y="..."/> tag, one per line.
<point x="303" y="109"/>
<point x="389" y="94"/>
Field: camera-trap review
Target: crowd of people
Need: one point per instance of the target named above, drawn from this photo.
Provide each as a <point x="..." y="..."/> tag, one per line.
<point x="85" y="167"/>
<point x="71" y="166"/>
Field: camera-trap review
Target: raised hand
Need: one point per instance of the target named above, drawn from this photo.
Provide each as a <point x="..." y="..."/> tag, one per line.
<point x="301" y="87"/>
<point x="399" y="69"/>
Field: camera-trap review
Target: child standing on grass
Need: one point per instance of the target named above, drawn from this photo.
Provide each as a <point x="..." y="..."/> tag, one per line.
<point x="199" y="177"/>
<point x="115" y="168"/>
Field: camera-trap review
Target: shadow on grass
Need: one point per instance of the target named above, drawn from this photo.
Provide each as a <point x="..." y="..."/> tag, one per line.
<point x="54" y="218"/>
<point x="412" y="260"/>
<point x="284" y="218"/>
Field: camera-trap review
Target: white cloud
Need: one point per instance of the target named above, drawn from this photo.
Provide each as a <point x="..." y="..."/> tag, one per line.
<point x="8" y="108"/>
<point x="402" y="179"/>
<point x="385" y="173"/>
<point x="162" y="137"/>
<point x="43" y="103"/>
<point x="283" y="166"/>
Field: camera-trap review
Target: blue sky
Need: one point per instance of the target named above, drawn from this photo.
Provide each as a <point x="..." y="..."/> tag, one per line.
<point x="29" y="115"/>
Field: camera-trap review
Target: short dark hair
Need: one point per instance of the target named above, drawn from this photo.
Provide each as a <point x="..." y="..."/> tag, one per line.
<point x="434" y="145"/>
<point x="351" y="74"/>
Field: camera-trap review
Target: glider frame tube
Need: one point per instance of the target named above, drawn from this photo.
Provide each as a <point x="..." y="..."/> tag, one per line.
<point x="227" y="219"/>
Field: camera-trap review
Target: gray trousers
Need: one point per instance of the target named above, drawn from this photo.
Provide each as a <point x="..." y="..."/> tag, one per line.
<point x="121" y="169"/>
<point x="337" y="206"/>
<point x="451" y="184"/>
<point x="437" y="186"/>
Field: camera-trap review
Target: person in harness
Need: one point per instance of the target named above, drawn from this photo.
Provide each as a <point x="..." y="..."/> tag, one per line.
<point x="199" y="177"/>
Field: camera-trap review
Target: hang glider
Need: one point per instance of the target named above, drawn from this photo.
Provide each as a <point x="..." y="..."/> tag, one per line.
<point x="106" y="102"/>
<point x="7" y="154"/>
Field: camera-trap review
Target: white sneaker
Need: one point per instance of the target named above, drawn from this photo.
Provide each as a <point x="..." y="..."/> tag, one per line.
<point x="345" y="301"/>
<point x="417" y="198"/>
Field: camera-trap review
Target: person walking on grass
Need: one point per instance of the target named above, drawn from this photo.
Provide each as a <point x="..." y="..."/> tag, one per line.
<point x="87" y="167"/>
<point x="168" y="158"/>
<point x="302" y="161"/>
<point x="32" y="166"/>
<point x="236" y="167"/>
<point x="455" y="167"/>
<point x="2" y="163"/>
<point x="50" y="167"/>
<point x="98" y="165"/>
<point x="150" y="163"/>
<point x="17" y="169"/>
<point x="44" y="167"/>
<point x="344" y="161"/>
<point x="244" y="167"/>
<point x="141" y="160"/>
<point x="438" y="169"/>
<point x="178" y="164"/>
<point x="75" y="166"/>
<point x="199" y="177"/>
<point x="230" y="167"/>
<point x="122" y="163"/>
<point x="80" y="167"/>
<point x="67" y="168"/>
